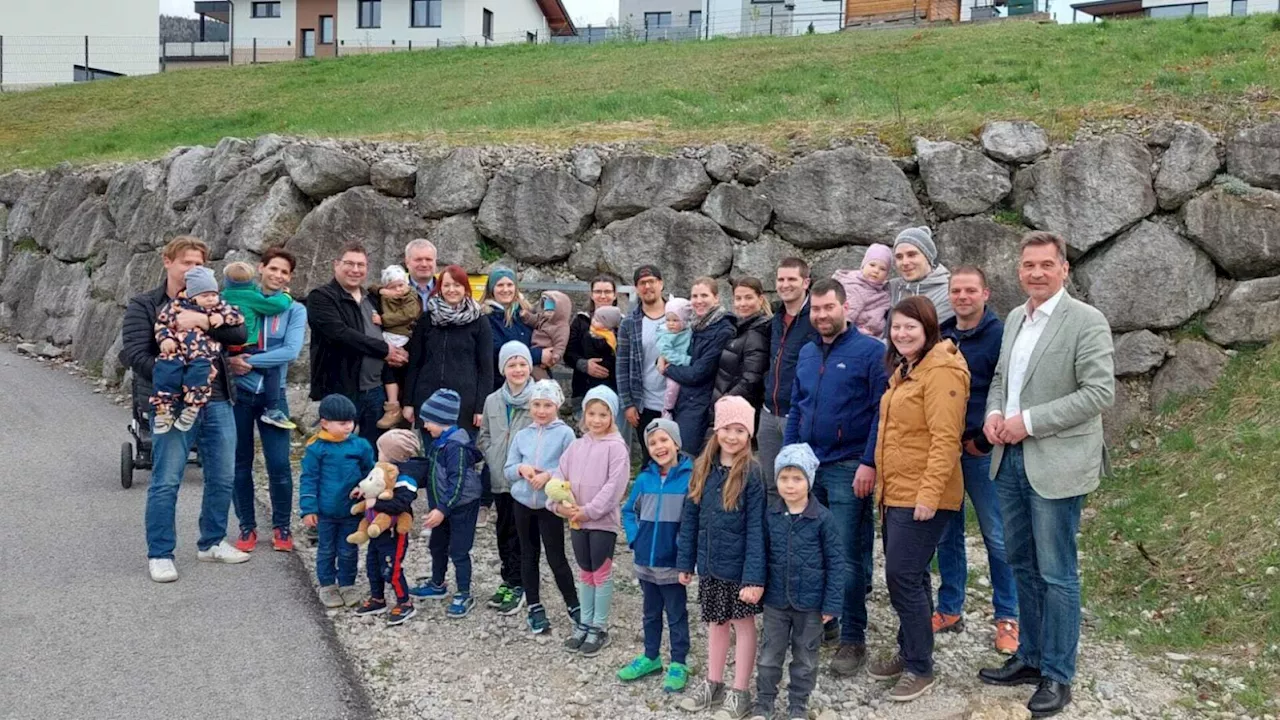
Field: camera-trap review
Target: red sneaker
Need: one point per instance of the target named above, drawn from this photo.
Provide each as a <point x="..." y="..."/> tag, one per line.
<point x="282" y="540"/>
<point x="247" y="541"/>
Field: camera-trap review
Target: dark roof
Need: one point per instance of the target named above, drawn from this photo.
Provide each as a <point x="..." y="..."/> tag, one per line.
<point x="557" y="17"/>
<point x="1105" y="8"/>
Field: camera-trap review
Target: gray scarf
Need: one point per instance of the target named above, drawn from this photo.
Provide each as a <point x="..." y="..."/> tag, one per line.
<point x="520" y="399"/>
<point x="713" y="315"/>
<point x="442" y="313"/>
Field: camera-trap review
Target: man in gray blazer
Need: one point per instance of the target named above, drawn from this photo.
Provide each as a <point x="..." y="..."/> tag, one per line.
<point x="1044" y="417"/>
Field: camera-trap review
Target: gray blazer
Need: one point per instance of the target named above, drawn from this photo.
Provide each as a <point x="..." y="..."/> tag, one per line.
<point x="1069" y="382"/>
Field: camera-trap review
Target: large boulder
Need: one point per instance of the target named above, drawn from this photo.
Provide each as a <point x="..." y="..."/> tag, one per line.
<point x="1193" y="369"/>
<point x="46" y="204"/>
<point x="1190" y="163"/>
<point x="1138" y="353"/>
<point x="273" y="220"/>
<point x="458" y="242"/>
<point x="824" y="263"/>
<point x="45" y="298"/>
<point x="230" y="157"/>
<point x="960" y="181"/>
<point x="1253" y="155"/>
<point x="760" y="259"/>
<point x="12" y="184"/>
<point x="95" y="333"/>
<point x="587" y="165"/>
<point x="229" y="216"/>
<point x="631" y="184"/>
<point x="536" y="214"/>
<point x="396" y="178"/>
<point x="753" y="169"/>
<point x="841" y="197"/>
<point x="87" y="228"/>
<point x="719" y="163"/>
<point x="1132" y="403"/>
<point x="741" y="212"/>
<point x="651" y="237"/>
<point x="144" y="271"/>
<point x="1088" y="193"/>
<point x="587" y="260"/>
<point x="139" y="209"/>
<point x="107" y="273"/>
<point x="321" y="171"/>
<point x="1150" y="277"/>
<point x="1249" y="312"/>
<point x="1016" y="141"/>
<point x="450" y="184"/>
<point x="1238" y="227"/>
<point x="989" y="245"/>
<point x="189" y="176"/>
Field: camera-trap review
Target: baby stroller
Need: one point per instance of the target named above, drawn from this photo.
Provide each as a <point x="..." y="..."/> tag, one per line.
<point x="136" y="455"/>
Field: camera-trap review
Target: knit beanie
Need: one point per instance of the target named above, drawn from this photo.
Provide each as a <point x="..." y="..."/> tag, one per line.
<point x="398" y="445"/>
<point x="337" y="408"/>
<point x="735" y="410"/>
<point x="681" y="309"/>
<point x="603" y="394"/>
<point x="667" y="426"/>
<point x="441" y="408"/>
<point x="883" y="253"/>
<point x="200" y="280"/>
<point x="608" y="317"/>
<point x="799" y="456"/>
<point x="394" y="274"/>
<point x="922" y="238"/>
<point x="497" y="274"/>
<point x="547" y="390"/>
<point x="513" y="349"/>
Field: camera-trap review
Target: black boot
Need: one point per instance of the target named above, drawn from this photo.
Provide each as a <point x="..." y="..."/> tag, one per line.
<point x="1049" y="699"/>
<point x="1013" y="672"/>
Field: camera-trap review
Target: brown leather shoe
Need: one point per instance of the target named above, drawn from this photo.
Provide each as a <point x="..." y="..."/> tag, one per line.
<point x="849" y="660"/>
<point x="909" y="687"/>
<point x="1007" y="637"/>
<point x="886" y="668"/>
<point x="947" y="623"/>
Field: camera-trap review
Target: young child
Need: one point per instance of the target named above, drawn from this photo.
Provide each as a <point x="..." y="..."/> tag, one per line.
<point x="805" y="566"/>
<point x="673" y="344"/>
<point x="243" y="294"/>
<point x="867" y="291"/>
<point x="722" y="532"/>
<point x="551" y="331"/>
<point x="596" y="466"/>
<point x="453" y="496"/>
<point x="401" y="307"/>
<point x="184" y="368"/>
<point x="506" y="412"/>
<point x="384" y="560"/>
<point x="604" y="326"/>
<point x="660" y="487"/>
<point x="535" y="454"/>
<point x="335" y="462"/>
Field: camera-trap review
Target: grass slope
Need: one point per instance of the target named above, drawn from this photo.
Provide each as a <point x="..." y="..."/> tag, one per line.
<point x="943" y="82"/>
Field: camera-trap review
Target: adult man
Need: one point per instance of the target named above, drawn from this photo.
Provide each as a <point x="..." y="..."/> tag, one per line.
<point x="915" y="257"/>
<point x="835" y="400"/>
<point x="790" y="330"/>
<point x="214" y="429"/>
<point x="420" y="260"/>
<point x="347" y="349"/>
<point x="976" y="331"/>
<point x="1044" y="416"/>
<point x="640" y="385"/>
<point x="280" y="343"/>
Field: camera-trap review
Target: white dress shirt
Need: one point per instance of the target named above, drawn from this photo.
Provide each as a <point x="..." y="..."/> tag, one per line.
<point x="1033" y="324"/>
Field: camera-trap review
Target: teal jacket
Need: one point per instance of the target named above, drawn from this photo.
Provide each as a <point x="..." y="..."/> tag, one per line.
<point x="330" y="471"/>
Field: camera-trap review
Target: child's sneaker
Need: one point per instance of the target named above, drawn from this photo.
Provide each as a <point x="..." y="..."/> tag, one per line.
<point x="330" y="597"/>
<point x="350" y="595"/>
<point x="573" y="643"/>
<point x="499" y="596"/>
<point x="575" y="614"/>
<point x="186" y="419"/>
<point x="737" y="704"/>
<point x="372" y="606"/>
<point x="390" y="415"/>
<point x="538" y="623"/>
<point x="708" y="695"/>
<point x="247" y="541"/>
<point x="401" y="613"/>
<point x="677" y="678"/>
<point x="162" y="423"/>
<point x="428" y="591"/>
<point x="512" y="603"/>
<point x="276" y="417"/>
<point x="639" y="667"/>
<point x="597" y="640"/>
<point x="461" y="606"/>
<point x="281" y="540"/>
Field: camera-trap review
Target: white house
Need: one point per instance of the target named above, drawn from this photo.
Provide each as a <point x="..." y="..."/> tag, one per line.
<point x="772" y="17"/>
<point x="1120" y="9"/>
<point x="662" y="19"/>
<point x="61" y="41"/>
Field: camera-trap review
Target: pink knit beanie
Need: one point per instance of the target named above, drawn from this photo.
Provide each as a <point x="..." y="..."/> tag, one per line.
<point x="735" y="410"/>
<point x="879" y="252"/>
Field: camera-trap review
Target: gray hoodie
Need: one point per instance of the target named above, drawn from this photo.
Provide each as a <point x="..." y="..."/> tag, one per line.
<point x="936" y="286"/>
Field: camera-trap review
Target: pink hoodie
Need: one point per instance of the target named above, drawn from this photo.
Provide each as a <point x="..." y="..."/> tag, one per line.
<point x="866" y="302"/>
<point x="597" y="470"/>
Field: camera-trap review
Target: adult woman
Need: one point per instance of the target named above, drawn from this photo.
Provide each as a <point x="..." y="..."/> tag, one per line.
<point x="745" y="360"/>
<point x="510" y="316"/>
<point x="712" y="330"/>
<point x="451" y="347"/>
<point x="920" y="484"/>
<point x="586" y="354"/>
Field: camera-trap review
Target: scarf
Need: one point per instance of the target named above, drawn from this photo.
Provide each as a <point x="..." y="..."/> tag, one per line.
<point x="327" y="437"/>
<point x="715" y="313"/>
<point x="520" y="399"/>
<point x="442" y="313"/>
<point x="608" y="336"/>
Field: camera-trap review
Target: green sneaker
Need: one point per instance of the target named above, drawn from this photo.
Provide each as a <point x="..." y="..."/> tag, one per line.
<point x="677" y="678"/>
<point x="512" y="603"/>
<point x="499" y="596"/>
<point x="639" y="667"/>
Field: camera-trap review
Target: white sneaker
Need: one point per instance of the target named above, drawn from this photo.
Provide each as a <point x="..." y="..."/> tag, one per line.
<point x="162" y="570"/>
<point x="223" y="553"/>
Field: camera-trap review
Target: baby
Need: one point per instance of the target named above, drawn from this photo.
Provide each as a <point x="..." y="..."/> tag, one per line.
<point x="184" y="369"/>
<point x="551" y="331"/>
<point x="401" y="307"/>
<point x="242" y="293"/>
<point x="867" y="291"/>
<point x="604" y="325"/>
<point x="673" y="344"/>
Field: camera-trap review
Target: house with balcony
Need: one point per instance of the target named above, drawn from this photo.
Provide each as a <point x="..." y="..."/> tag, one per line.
<point x="661" y="19"/>
<point x="47" y="42"/>
<point x="1124" y="9"/>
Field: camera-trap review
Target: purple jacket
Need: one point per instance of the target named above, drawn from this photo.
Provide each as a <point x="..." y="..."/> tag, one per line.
<point x="866" y="302"/>
<point x="597" y="471"/>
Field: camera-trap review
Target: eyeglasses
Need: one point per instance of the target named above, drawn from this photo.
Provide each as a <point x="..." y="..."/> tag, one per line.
<point x="353" y="265"/>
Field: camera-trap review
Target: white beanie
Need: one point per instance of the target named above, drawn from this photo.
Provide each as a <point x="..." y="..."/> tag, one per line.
<point x="394" y="273"/>
<point x="547" y="390"/>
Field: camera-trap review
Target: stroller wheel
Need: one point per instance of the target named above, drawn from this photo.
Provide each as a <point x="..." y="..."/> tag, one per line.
<point x="126" y="466"/>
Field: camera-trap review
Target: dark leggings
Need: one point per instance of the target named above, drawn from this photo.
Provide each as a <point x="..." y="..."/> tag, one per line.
<point x="509" y="542"/>
<point x="538" y="529"/>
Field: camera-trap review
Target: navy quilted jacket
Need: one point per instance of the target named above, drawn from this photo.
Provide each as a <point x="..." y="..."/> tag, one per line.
<point x="725" y="544"/>
<point x="806" y="563"/>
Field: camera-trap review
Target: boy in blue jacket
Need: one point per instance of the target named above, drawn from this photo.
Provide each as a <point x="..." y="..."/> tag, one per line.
<point x="384" y="560"/>
<point x="334" y="463"/>
<point x="805" y="585"/>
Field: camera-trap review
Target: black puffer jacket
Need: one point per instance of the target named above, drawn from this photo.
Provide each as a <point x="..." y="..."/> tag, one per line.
<point x="744" y="362"/>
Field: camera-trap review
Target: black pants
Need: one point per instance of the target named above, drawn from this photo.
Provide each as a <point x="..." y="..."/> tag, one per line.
<point x="801" y="632"/>
<point x="508" y="538"/>
<point x="538" y="529"/>
<point x="908" y="547"/>
<point x="646" y="417"/>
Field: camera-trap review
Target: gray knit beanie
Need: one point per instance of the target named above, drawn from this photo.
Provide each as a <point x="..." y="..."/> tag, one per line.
<point x="922" y="238"/>
<point x="200" y="279"/>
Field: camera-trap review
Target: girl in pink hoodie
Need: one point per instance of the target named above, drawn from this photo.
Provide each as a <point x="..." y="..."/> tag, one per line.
<point x="867" y="291"/>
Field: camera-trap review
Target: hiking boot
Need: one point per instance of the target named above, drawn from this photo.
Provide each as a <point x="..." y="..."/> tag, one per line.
<point x="499" y="596"/>
<point x="390" y="415"/>
<point x="1006" y="637"/>
<point x="573" y="643"/>
<point x="886" y="668"/>
<point x="350" y="595"/>
<point x="282" y="540"/>
<point x="909" y="687"/>
<point x="736" y="705"/>
<point x="597" y="640"/>
<point x="676" y="679"/>
<point x="372" y="606"/>
<point x="640" y="666"/>
<point x="849" y="660"/>
<point x="247" y="541"/>
<point x="537" y="620"/>
<point x="276" y="418"/>
<point x="512" y="603"/>
<point x="430" y="591"/>
<point x="947" y="623"/>
<point x="461" y="606"/>
<point x="222" y="553"/>
<point x="708" y="695"/>
<point x="330" y="597"/>
<point x="401" y="613"/>
<point x="162" y="570"/>
<point x="186" y="419"/>
<point x="831" y="633"/>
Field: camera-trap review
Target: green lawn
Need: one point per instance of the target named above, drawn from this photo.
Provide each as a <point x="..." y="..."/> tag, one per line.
<point x="942" y="82"/>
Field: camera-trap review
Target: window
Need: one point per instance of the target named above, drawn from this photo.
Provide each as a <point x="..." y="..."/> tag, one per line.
<point x="326" y="29"/>
<point x="426" y="13"/>
<point x="530" y="37"/>
<point x="695" y="18"/>
<point x="370" y="13"/>
<point x="266" y="10"/>
<point x="1176" y="11"/>
<point x="1239" y="7"/>
<point x="486" y="27"/>
<point x="657" y="19"/>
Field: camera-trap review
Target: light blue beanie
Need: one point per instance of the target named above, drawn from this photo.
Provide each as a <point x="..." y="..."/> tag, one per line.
<point x="603" y="394"/>
<point x="799" y="456"/>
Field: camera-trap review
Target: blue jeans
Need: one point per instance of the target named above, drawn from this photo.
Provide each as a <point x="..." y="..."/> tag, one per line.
<point x="909" y="544"/>
<point x="368" y="412"/>
<point x="275" y="451"/>
<point x="336" y="559"/>
<point x="834" y="489"/>
<point x="1041" y="543"/>
<point x="673" y="601"/>
<point x="451" y="540"/>
<point x="952" y="563"/>
<point x="215" y="432"/>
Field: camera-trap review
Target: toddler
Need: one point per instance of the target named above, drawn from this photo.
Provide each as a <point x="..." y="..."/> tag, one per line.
<point x="596" y="467"/>
<point x="673" y="344"/>
<point x="384" y="560"/>
<point x="551" y="331"/>
<point x="401" y="307"/>
<point x="867" y="291"/>
<point x="184" y="368"/>
<point x="333" y="465"/>
<point x="242" y="293"/>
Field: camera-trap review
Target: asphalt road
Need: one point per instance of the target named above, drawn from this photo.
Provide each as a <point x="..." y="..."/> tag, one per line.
<point x="84" y="633"/>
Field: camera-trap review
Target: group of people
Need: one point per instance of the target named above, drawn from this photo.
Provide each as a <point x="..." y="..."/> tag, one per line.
<point x="772" y="438"/>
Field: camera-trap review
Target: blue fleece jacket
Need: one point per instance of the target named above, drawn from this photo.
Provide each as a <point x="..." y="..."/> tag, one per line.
<point x="835" y="398"/>
<point x="330" y="471"/>
<point x="282" y="338"/>
<point x="651" y="517"/>
<point x="452" y="479"/>
<point x="540" y="446"/>
<point x="980" y="347"/>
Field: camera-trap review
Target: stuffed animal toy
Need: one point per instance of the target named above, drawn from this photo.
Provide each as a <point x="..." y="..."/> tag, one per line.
<point x="379" y="484"/>
<point x="557" y="489"/>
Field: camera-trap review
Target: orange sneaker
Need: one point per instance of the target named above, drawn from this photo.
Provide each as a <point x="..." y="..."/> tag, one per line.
<point x="947" y="623"/>
<point x="1007" y="637"/>
<point x="282" y="540"/>
<point x="247" y="541"/>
